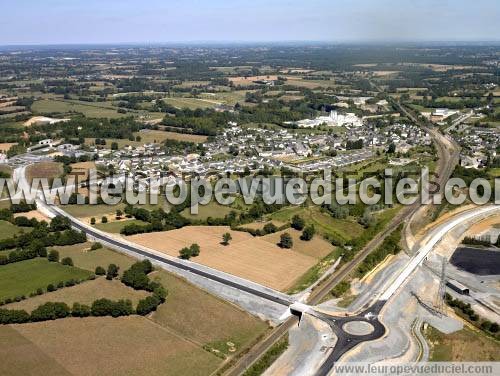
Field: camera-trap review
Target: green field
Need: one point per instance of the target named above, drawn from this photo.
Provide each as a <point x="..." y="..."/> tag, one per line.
<point x="25" y="277"/>
<point x="89" y="260"/>
<point x="96" y="211"/>
<point x="150" y="136"/>
<point x="324" y="222"/>
<point x="191" y="103"/>
<point x="227" y="97"/>
<point x="94" y="110"/>
<point x="116" y="226"/>
<point x="213" y="209"/>
<point x="466" y="345"/>
<point x="8" y="230"/>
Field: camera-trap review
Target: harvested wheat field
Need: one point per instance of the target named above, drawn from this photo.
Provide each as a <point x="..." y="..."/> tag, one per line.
<point x="81" y="170"/>
<point x="47" y="170"/>
<point x="5" y="146"/>
<point x="33" y="214"/>
<point x="19" y="356"/>
<point x="115" y="346"/>
<point x="248" y="257"/>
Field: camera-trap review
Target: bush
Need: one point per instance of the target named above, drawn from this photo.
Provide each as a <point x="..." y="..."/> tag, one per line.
<point x="147" y="305"/>
<point x="195" y="250"/>
<point x="8" y="316"/>
<point x="226" y="238"/>
<point x="308" y="233"/>
<point x="136" y="276"/>
<point x="60" y="223"/>
<point x="286" y="241"/>
<point x="67" y="261"/>
<point x="80" y="310"/>
<point x="106" y="307"/>
<point x="100" y="270"/>
<point x="51" y="287"/>
<point x="270" y="228"/>
<point x="53" y="256"/>
<point x="186" y="253"/>
<point x="95" y="246"/>
<point x="60" y="285"/>
<point x="50" y="311"/>
<point x="112" y="272"/>
<point x="92" y="221"/>
<point x="298" y="222"/>
<point x="104" y="219"/>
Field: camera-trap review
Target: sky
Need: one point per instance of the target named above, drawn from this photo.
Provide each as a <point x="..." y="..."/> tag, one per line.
<point x="163" y="21"/>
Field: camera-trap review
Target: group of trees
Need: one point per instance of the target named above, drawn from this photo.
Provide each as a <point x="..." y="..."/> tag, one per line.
<point x="59" y="310"/>
<point x="158" y="220"/>
<point x="466" y="311"/>
<point x="33" y="244"/>
<point x="135" y="277"/>
<point x="187" y="252"/>
<point x="299" y="224"/>
<point x="480" y="240"/>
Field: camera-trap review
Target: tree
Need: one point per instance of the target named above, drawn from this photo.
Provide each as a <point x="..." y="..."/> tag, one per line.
<point x="112" y="272"/>
<point x="60" y="223"/>
<point x="38" y="247"/>
<point x="298" y="222"/>
<point x="185" y="253"/>
<point x="136" y="276"/>
<point x="119" y="213"/>
<point x="391" y="149"/>
<point x="67" y="261"/>
<point x="270" y="228"/>
<point x="53" y="256"/>
<point x="286" y="241"/>
<point x="104" y="219"/>
<point x="494" y="327"/>
<point x="100" y="270"/>
<point x="92" y="221"/>
<point x="80" y="310"/>
<point x="226" y="238"/>
<point x="114" y="145"/>
<point x="308" y="233"/>
<point x="106" y="307"/>
<point x="95" y="246"/>
<point x="50" y="311"/>
<point x="147" y="305"/>
<point x="195" y="250"/>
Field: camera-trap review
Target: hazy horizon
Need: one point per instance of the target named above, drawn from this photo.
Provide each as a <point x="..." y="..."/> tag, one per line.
<point x="93" y="22"/>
